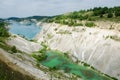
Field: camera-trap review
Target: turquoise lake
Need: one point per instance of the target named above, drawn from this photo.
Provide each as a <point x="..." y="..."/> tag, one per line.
<point x="28" y="31"/>
<point x="56" y="60"/>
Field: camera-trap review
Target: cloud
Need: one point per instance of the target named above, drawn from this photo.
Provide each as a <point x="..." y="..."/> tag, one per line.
<point x="22" y="8"/>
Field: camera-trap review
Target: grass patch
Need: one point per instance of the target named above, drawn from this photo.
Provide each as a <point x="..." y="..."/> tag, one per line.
<point x="63" y="32"/>
<point x="90" y="24"/>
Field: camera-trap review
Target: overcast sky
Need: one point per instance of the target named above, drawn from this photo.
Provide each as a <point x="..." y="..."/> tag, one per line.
<point x="23" y="8"/>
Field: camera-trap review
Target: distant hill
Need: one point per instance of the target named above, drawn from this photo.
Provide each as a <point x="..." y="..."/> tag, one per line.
<point x="13" y="18"/>
<point x="1" y="20"/>
<point x="95" y="14"/>
<point x="37" y="17"/>
<point x="28" y="18"/>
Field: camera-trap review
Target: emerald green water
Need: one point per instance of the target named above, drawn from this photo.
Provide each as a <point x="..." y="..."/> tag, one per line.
<point x="57" y="60"/>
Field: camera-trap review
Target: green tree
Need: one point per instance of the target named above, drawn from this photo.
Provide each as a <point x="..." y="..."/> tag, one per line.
<point x="3" y="29"/>
<point x="117" y="13"/>
<point x="13" y="49"/>
<point x="97" y="11"/>
<point x="3" y="32"/>
<point x="110" y="15"/>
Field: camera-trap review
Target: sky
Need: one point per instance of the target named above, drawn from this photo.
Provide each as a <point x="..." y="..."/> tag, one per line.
<point x="25" y="8"/>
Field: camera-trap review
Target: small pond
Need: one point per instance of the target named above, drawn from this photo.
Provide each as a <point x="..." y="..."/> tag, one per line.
<point x="56" y="60"/>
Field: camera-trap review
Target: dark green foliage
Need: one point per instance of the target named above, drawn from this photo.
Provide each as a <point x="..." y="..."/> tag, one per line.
<point x="91" y="19"/>
<point x="39" y="57"/>
<point x="74" y="15"/>
<point x="110" y="15"/>
<point x="97" y="13"/>
<point x="54" y="68"/>
<point x="13" y="49"/>
<point x="42" y="53"/>
<point x="3" y="30"/>
<point x="89" y="24"/>
<point x="45" y="47"/>
<point x="117" y="13"/>
<point x="100" y="11"/>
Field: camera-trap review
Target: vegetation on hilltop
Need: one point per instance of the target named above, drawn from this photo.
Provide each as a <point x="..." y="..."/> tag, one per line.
<point x="75" y="18"/>
<point x="90" y="15"/>
<point x="3" y="29"/>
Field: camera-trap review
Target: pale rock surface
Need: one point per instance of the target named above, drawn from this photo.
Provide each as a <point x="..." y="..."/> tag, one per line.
<point x="91" y="45"/>
<point x="24" y="45"/>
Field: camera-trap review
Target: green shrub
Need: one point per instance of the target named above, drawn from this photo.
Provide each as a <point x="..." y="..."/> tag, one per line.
<point x="13" y="49"/>
<point x="91" y="19"/>
<point x="39" y="56"/>
<point x="117" y="13"/>
<point x="90" y="24"/>
<point x="110" y="15"/>
<point x="3" y="29"/>
<point x="3" y="32"/>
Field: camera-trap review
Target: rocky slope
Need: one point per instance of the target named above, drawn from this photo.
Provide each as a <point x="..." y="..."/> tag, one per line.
<point x="98" y="47"/>
<point x="24" y="63"/>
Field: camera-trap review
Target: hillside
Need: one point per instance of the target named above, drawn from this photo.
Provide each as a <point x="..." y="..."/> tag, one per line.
<point x="88" y="17"/>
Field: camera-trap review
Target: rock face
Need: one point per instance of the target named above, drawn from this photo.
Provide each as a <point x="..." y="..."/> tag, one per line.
<point x="98" y="47"/>
<point x="24" y="45"/>
<point x="24" y="63"/>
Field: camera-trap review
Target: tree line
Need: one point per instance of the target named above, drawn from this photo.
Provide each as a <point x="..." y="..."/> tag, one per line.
<point x="99" y="11"/>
